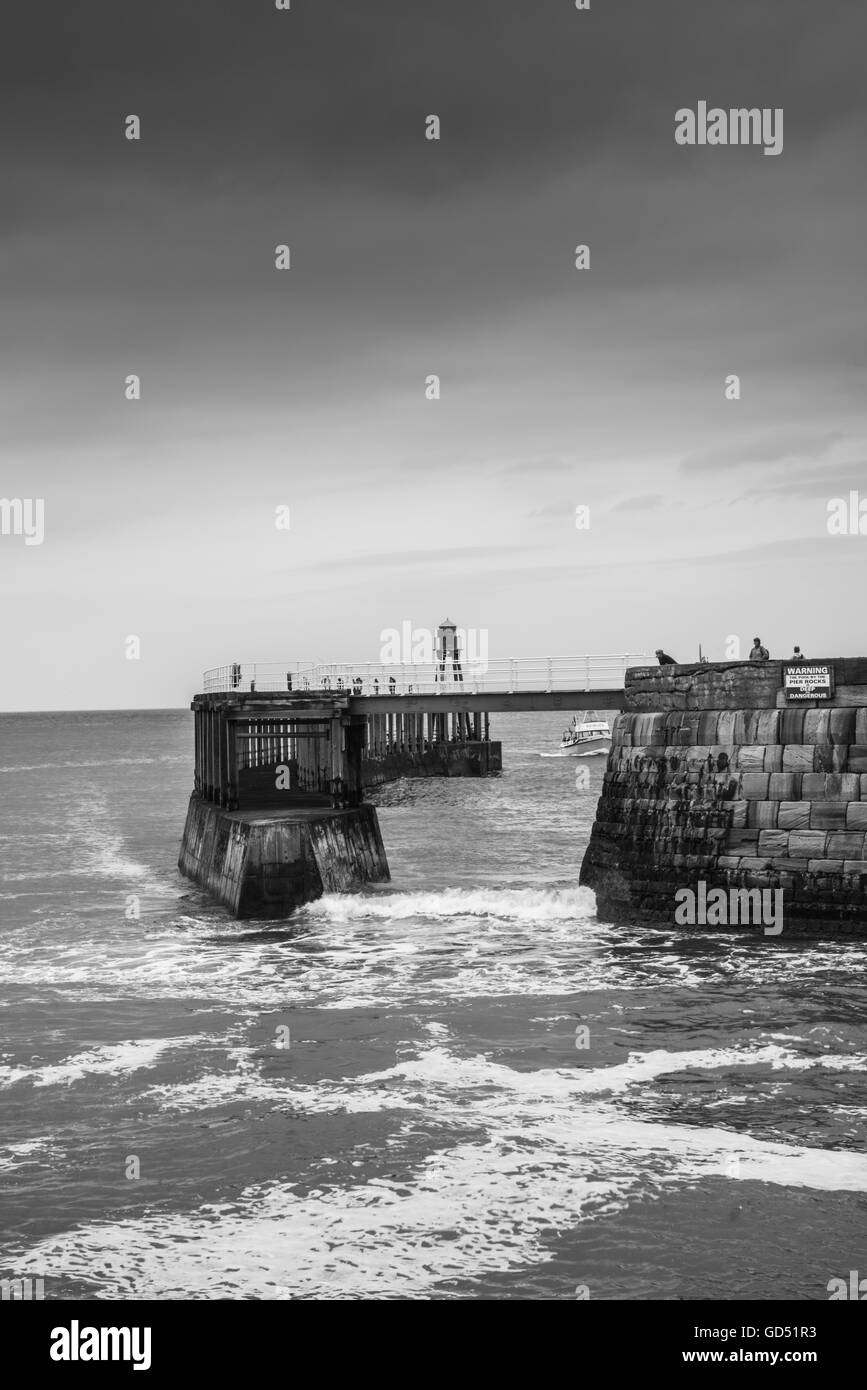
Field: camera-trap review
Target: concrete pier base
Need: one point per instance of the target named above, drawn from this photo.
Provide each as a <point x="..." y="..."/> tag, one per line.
<point x="479" y="758"/>
<point x="266" y="863"/>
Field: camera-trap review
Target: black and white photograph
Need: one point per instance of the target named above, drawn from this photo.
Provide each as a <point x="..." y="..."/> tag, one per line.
<point x="433" y="692"/>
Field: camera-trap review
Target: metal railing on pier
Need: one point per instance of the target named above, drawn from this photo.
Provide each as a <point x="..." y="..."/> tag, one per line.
<point x="505" y="675"/>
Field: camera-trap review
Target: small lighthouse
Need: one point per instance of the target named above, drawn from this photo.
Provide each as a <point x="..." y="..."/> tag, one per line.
<point x="448" y="650"/>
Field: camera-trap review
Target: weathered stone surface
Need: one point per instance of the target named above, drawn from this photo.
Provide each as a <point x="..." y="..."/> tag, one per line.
<point x="816" y="727"/>
<point x="852" y="695"/>
<point x="849" y="844"/>
<point x="742" y="841"/>
<point x="737" y="685"/>
<point x="754" y="786"/>
<point x="774" y="842"/>
<point x="808" y="844"/>
<point x="842" y="726"/>
<point x="785" y="786"/>
<point x="799" y="757"/>
<point x="751" y="758"/>
<point x="736" y="787"/>
<point x="265" y="865"/>
<point x="828" y="815"/>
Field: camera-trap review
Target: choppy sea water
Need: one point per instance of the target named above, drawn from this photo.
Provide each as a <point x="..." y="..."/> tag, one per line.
<point x="430" y="1128"/>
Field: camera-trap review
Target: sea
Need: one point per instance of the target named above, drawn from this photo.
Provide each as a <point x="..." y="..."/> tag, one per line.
<point x="463" y="1084"/>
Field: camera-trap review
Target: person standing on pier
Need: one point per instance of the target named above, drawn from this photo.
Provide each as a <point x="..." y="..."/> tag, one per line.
<point x="758" y="653"/>
<point x="797" y="655"/>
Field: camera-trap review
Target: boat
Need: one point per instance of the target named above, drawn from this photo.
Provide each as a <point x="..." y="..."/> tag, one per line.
<point x="582" y="740"/>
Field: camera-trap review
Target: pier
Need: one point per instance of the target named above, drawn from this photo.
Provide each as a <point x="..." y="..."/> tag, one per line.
<point x="737" y="776"/>
<point x="731" y="775"/>
<point x="284" y="752"/>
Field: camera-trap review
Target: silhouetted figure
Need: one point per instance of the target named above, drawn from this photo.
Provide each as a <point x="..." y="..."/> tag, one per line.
<point x="663" y="659"/>
<point x="758" y="653"/>
<point x="236" y="674"/>
<point x="356" y="685"/>
<point x="797" y="655"/>
<point x="288" y="680"/>
<point x="392" y="687"/>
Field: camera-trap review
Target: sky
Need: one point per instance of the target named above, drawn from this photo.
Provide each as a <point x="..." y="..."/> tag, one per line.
<point x="305" y="388"/>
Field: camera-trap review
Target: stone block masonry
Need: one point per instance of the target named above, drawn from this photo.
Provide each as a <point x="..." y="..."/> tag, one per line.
<point x="712" y="776"/>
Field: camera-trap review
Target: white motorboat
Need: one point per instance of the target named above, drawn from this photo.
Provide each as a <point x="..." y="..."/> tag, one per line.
<point x="583" y="739"/>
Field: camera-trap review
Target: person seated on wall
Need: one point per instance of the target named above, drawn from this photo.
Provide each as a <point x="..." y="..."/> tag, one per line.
<point x="663" y="659"/>
<point x="758" y="653"/>
<point x="797" y="655"/>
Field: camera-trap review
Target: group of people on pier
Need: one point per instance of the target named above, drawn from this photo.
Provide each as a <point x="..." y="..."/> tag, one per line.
<point x="757" y="653"/>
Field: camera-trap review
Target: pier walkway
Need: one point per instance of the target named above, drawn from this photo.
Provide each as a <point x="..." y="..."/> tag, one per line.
<point x="513" y="683"/>
<point x="298" y="733"/>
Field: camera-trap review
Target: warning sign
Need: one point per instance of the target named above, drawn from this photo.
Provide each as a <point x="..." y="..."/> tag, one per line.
<point x="807" y="680"/>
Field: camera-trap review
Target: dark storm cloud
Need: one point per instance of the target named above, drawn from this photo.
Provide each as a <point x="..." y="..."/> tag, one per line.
<point x="412" y="257"/>
<point x="341" y="87"/>
<point x="307" y="126"/>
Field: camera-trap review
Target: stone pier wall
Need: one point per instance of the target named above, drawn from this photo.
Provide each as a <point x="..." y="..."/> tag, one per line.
<point x="260" y="864"/>
<point x="712" y="776"/>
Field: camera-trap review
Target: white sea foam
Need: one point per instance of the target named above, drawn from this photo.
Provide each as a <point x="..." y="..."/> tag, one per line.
<point x="552" y="1156"/>
<point x="12" y="1156"/>
<point x="115" y="1059"/>
<point x="381" y="1091"/>
<point x="534" y="905"/>
<point x="394" y="949"/>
